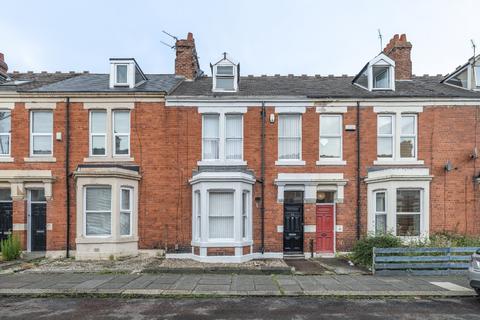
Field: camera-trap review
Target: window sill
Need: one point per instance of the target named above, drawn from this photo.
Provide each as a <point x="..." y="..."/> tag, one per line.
<point x="222" y="163"/>
<point x="290" y="163"/>
<point x="390" y="162"/>
<point x="40" y="159"/>
<point x="6" y="159"/>
<point x="108" y="159"/>
<point x="323" y="162"/>
<point x="221" y="243"/>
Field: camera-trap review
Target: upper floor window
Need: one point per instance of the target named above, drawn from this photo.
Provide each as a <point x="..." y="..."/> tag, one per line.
<point x="121" y="132"/>
<point x="225" y="74"/>
<point x="121" y="74"/>
<point x="397" y="136"/>
<point x="222" y="137"/>
<point x="5" y="131"/>
<point x="290" y="137"/>
<point x="331" y="137"/>
<point x="98" y="133"/>
<point x="378" y="74"/>
<point x="41" y="133"/>
<point x="381" y="77"/>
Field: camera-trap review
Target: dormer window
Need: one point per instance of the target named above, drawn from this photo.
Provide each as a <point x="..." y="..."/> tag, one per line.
<point x="225" y="75"/>
<point x="466" y="76"/>
<point x="121" y="75"/>
<point x="378" y="74"/>
<point x="125" y="73"/>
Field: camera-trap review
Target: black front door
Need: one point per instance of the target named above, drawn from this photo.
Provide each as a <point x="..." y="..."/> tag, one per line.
<point x="38" y="218"/>
<point x="293" y="222"/>
<point x="5" y="220"/>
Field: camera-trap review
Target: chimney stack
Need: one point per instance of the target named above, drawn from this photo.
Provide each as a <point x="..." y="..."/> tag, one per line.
<point x="3" y="68"/>
<point x="186" y="61"/>
<point x="399" y="50"/>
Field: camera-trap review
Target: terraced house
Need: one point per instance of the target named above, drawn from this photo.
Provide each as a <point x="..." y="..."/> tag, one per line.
<point x="230" y="167"/>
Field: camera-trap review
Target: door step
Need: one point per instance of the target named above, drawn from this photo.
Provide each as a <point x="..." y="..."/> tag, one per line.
<point x="293" y="256"/>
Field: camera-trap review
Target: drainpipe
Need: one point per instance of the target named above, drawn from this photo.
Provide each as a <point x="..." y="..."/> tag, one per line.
<point x="359" y="202"/>
<point x="262" y="177"/>
<point x="67" y="171"/>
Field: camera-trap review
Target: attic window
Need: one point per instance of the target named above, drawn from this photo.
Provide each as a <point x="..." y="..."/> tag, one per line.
<point x="477" y="77"/>
<point x="460" y="79"/>
<point x="381" y="77"/>
<point x="121" y="74"/>
<point x="225" y="78"/>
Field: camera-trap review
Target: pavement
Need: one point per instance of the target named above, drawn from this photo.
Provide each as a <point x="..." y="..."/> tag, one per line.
<point x="196" y="285"/>
<point x="278" y="308"/>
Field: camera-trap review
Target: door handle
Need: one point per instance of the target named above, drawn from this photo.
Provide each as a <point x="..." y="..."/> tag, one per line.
<point x="40" y="231"/>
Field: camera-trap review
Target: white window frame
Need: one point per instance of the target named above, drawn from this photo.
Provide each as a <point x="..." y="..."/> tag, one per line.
<point x="9" y="135"/>
<point x="420" y="214"/>
<point x="96" y="211"/>
<point x="92" y="135"/>
<point x="127" y="82"/>
<point x="340" y="135"/>
<point x="234" y="76"/>
<point x="235" y="205"/>
<point x="32" y="134"/>
<point x="245" y="214"/>
<point x="414" y="136"/>
<point x="385" y="135"/>
<point x="218" y="135"/>
<point x="114" y="135"/>
<point x="378" y="212"/>
<point x="222" y="112"/>
<point x="197" y="208"/>
<point x="123" y="210"/>
<point x="388" y="71"/>
<point x="226" y="139"/>
<point x="292" y="161"/>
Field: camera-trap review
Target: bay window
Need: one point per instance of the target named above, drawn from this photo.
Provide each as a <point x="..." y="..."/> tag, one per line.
<point x="5" y="129"/>
<point x="98" y="211"/>
<point x="221" y="214"/>
<point x="408" y="212"/>
<point x="289" y="137"/>
<point x="380" y="213"/>
<point x="244" y="214"/>
<point x="41" y="133"/>
<point x="125" y="211"/>
<point x="331" y="137"/>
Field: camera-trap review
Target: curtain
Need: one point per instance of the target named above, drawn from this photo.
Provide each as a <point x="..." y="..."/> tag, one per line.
<point x="221" y="215"/>
<point x="210" y="136"/>
<point x="98" y="202"/>
<point x="233" y="132"/>
<point x="289" y="136"/>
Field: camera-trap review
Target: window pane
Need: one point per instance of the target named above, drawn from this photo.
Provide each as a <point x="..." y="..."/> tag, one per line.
<point x="121" y="120"/>
<point x="5" y="122"/>
<point x="5" y="195"/>
<point x="210" y="126"/>
<point x="381" y="77"/>
<point x="4" y="144"/>
<point x="42" y="122"/>
<point x="408" y="225"/>
<point x="233" y="149"/>
<point x="121" y="73"/>
<point x="225" y="83"/>
<point x="380" y="202"/>
<point x="408" y="124"/>
<point x="407" y="147"/>
<point x="289" y="126"/>
<point x="408" y="200"/>
<point x="98" y="199"/>
<point x="210" y="148"/>
<point x="477" y="76"/>
<point x="460" y="80"/>
<point x="121" y="145"/>
<point x="126" y="199"/>
<point x="225" y="70"/>
<point x="221" y="214"/>
<point x="289" y="148"/>
<point x="98" y="223"/>
<point x="330" y="147"/>
<point x="124" y="223"/>
<point x="244" y="214"/>
<point x="385" y="125"/>
<point x="330" y="125"/>
<point x="98" y="122"/>
<point x="37" y="195"/>
<point x="233" y="125"/>
<point x="325" y="196"/>
<point x="42" y="145"/>
<point x="384" y="147"/>
<point x="98" y="145"/>
<point x="380" y="224"/>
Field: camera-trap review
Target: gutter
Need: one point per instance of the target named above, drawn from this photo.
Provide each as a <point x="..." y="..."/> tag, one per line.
<point x="359" y="202"/>
<point x="67" y="172"/>
<point x="262" y="177"/>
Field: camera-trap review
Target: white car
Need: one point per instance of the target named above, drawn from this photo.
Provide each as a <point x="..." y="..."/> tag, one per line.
<point x="474" y="272"/>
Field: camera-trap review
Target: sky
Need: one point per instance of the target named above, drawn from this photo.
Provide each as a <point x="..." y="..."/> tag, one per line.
<point x="266" y="37"/>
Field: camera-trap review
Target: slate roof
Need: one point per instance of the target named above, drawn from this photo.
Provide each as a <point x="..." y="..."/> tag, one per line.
<point x="34" y="80"/>
<point x="322" y="88"/>
<point x="100" y="83"/>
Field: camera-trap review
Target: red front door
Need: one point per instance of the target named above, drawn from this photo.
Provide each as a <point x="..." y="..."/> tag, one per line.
<point x="325" y="236"/>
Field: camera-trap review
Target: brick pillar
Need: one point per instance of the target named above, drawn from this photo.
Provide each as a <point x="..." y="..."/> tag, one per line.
<point x="20" y="220"/>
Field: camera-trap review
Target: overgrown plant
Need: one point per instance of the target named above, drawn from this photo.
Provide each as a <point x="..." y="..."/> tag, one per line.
<point x="11" y="248"/>
<point x="362" y="252"/>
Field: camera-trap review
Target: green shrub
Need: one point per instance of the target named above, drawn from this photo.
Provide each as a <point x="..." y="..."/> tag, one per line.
<point x="11" y="248"/>
<point x="448" y="239"/>
<point x="362" y="252"/>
